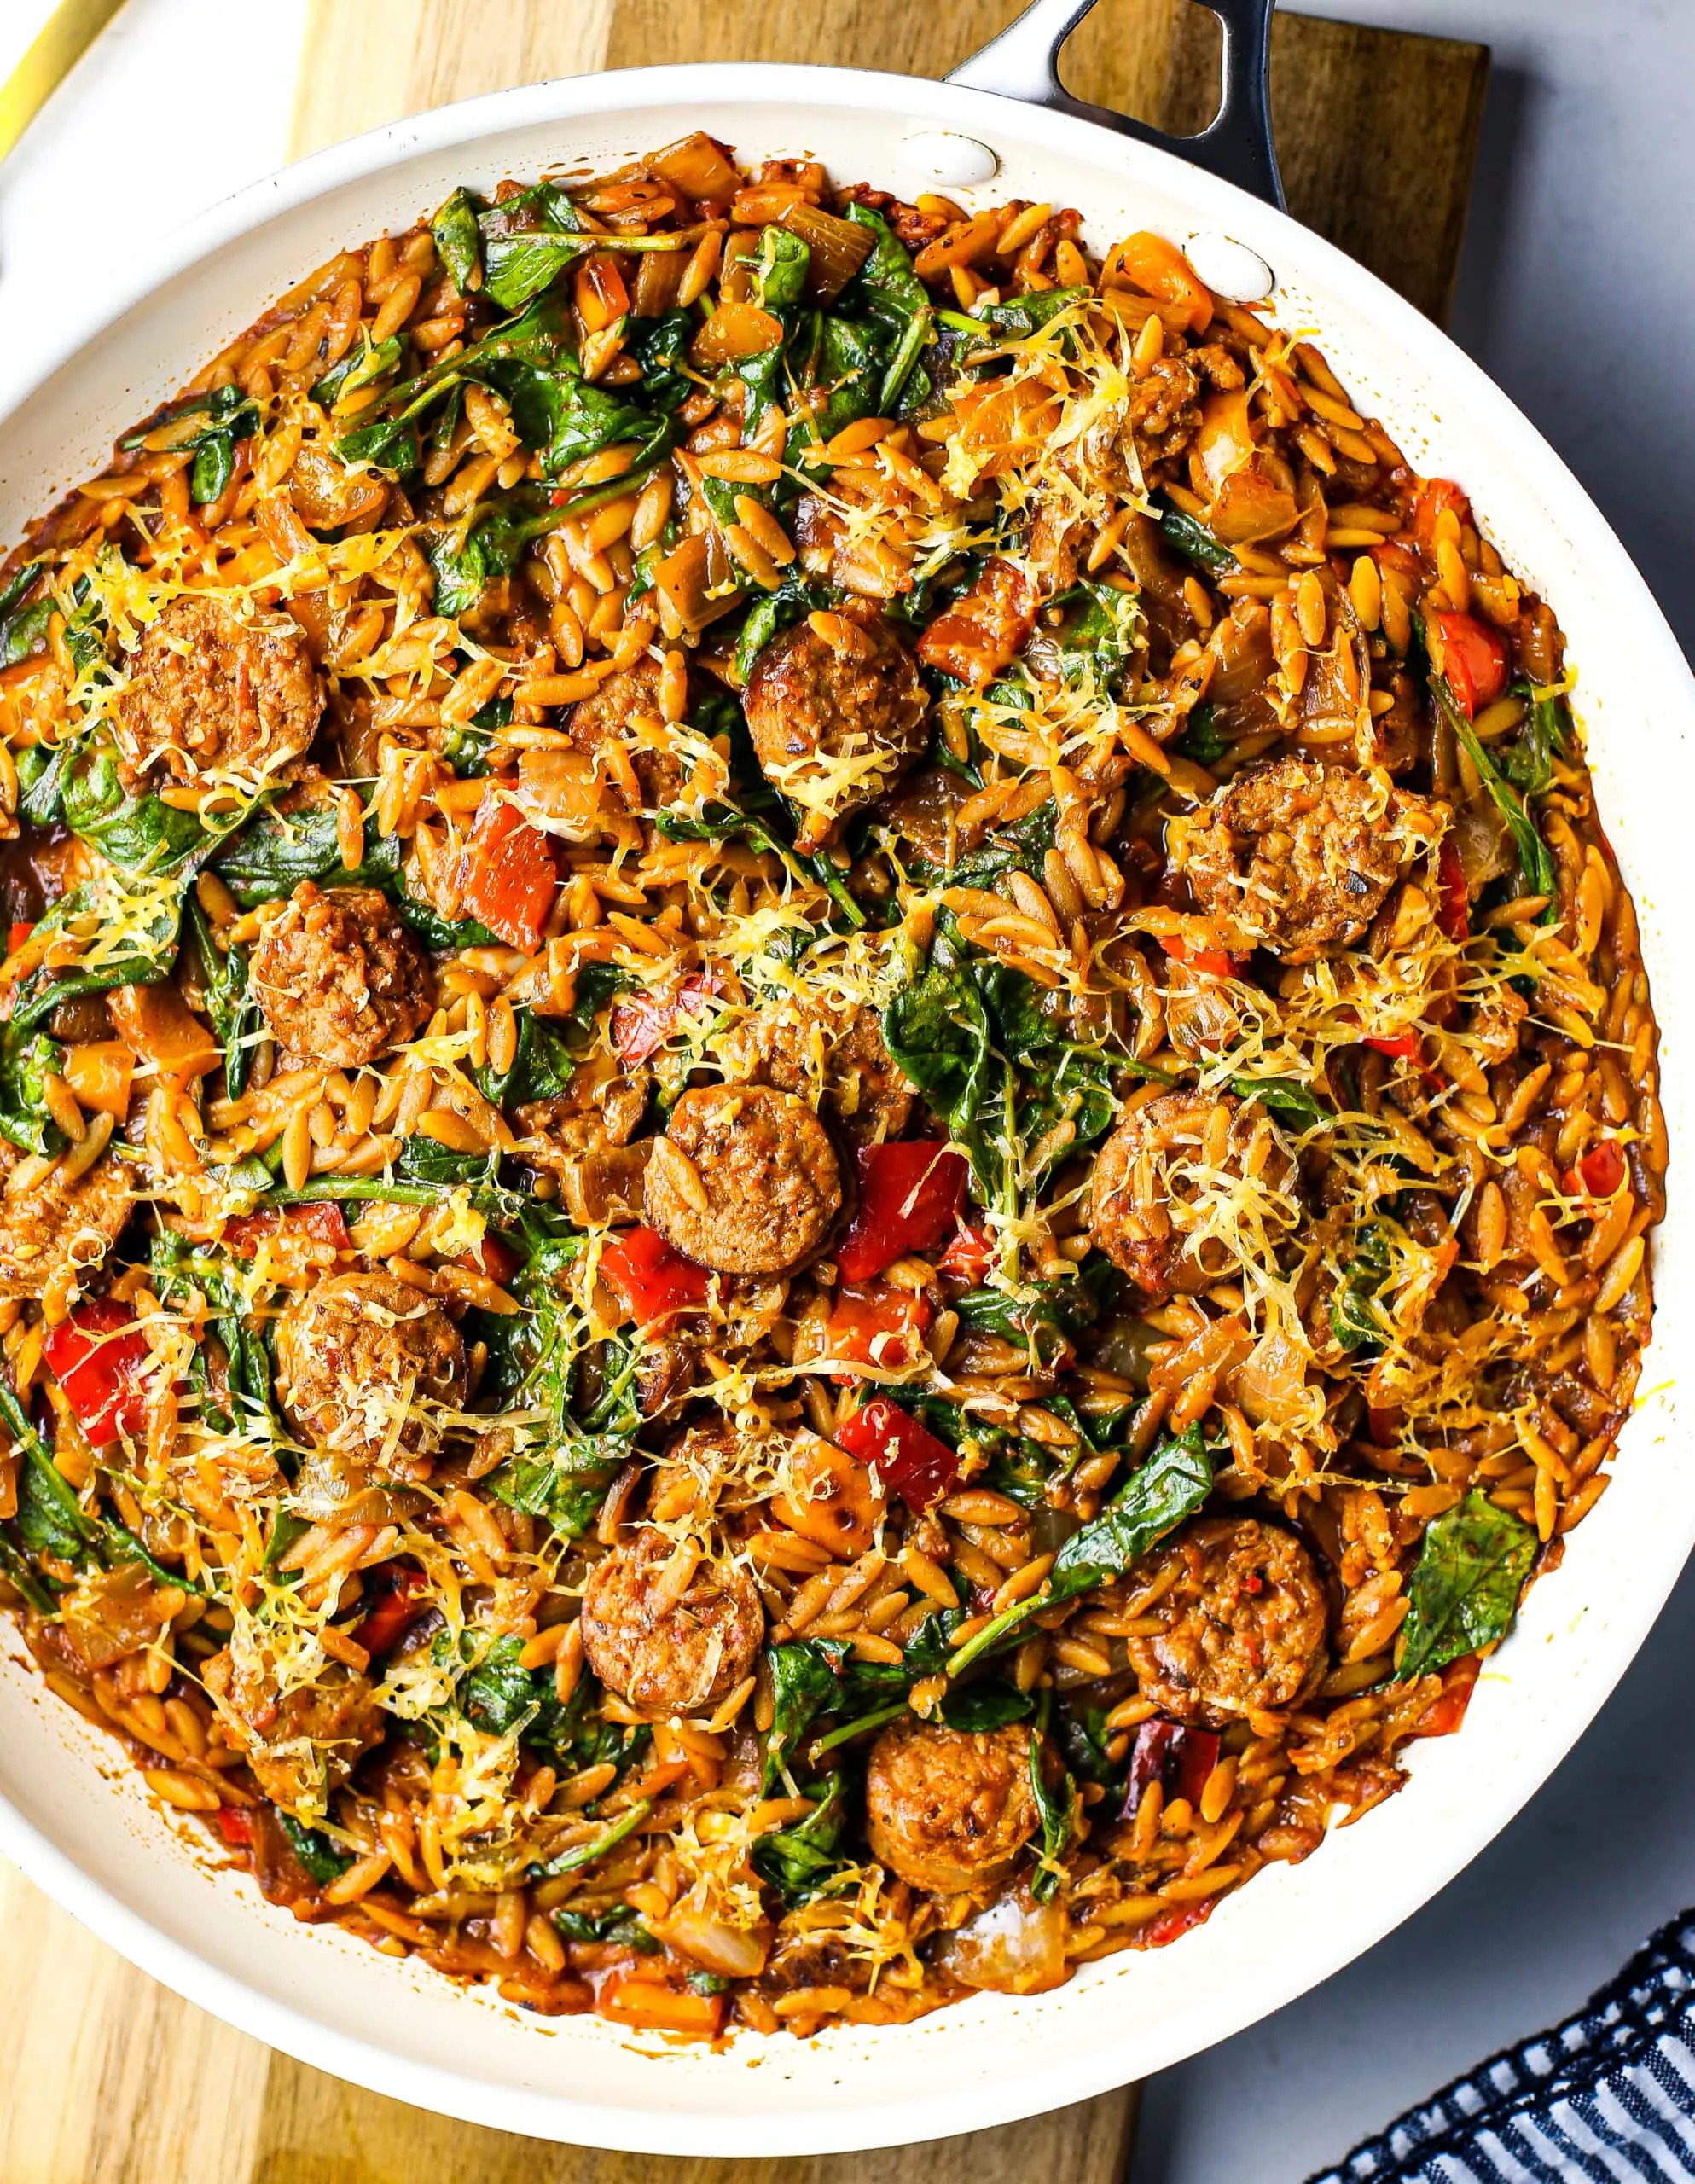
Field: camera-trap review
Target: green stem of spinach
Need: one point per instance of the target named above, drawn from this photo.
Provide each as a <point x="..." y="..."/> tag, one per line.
<point x="845" y="1732"/>
<point x="585" y="1854"/>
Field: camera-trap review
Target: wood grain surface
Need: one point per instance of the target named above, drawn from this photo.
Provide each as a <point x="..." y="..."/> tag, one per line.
<point x="107" y="2078"/>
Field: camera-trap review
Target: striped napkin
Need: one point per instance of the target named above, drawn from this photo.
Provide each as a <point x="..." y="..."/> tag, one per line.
<point x="1610" y="2094"/>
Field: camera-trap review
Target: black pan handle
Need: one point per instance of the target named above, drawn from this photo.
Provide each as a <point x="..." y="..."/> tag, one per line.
<point x="1236" y="145"/>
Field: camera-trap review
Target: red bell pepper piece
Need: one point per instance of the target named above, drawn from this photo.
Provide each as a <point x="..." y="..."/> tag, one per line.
<point x="1434" y="496"/>
<point x="1178" y="1920"/>
<point x="506" y="877"/>
<point x="880" y="1326"/>
<point x="234" y="1826"/>
<point x="1473" y="659"/>
<point x="1445" y="1713"/>
<point x="1177" y="1758"/>
<point x="98" y="1357"/>
<point x="301" y="1237"/>
<point x="1598" y="1173"/>
<point x="1454" y="897"/>
<point x="642" y="1025"/>
<point x="970" y="1254"/>
<point x="653" y="1280"/>
<point x="394" y="1587"/>
<point x="1404" y="1047"/>
<point x="1214" y="961"/>
<point x="493" y="1257"/>
<point x="910" y="1199"/>
<point x="908" y="1459"/>
<point x="19" y="934"/>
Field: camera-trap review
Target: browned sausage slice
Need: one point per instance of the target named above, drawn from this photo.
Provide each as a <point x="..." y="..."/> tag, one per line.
<point x="302" y="1744"/>
<point x="209" y="692"/>
<point x="359" y="1352"/>
<point x="835" y="708"/>
<point x="948" y="1811"/>
<point x="667" y="1631"/>
<point x="339" y="979"/>
<point x="840" y="1063"/>
<point x="622" y="728"/>
<point x="1301" y="858"/>
<point x="1161" y="1205"/>
<point x="54" y="1233"/>
<point x="745" y="1180"/>
<point x="1241" y="1629"/>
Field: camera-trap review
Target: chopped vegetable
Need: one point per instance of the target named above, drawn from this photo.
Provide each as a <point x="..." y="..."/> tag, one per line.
<point x="908" y="1461"/>
<point x="507" y="876"/>
<point x="910" y="1199"/>
<point x="99" y="1356"/>
<point x="1464" y="1586"/>
<point x="654" y="1282"/>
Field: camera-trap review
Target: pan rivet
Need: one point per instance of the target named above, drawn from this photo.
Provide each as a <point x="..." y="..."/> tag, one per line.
<point x="935" y="155"/>
<point x="1230" y="269"/>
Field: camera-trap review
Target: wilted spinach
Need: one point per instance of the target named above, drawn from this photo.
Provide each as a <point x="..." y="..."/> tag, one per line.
<point x="211" y="424"/>
<point x="1464" y="1586"/>
<point x="1172" y="1484"/>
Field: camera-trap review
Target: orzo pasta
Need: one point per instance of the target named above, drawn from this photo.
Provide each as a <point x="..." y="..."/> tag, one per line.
<point x="828" y="1122"/>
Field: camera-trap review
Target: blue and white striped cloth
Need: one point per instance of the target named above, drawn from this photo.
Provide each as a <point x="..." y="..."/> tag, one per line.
<point x="1609" y="2095"/>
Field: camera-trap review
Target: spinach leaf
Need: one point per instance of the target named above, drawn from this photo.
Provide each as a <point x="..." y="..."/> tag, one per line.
<point x="1172" y="1484"/>
<point x="141" y="954"/>
<point x="1020" y="847"/>
<point x="771" y="614"/>
<point x="800" y="1860"/>
<point x="660" y="346"/>
<point x="1045" y="1313"/>
<point x="779" y="265"/>
<point x="565" y="1486"/>
<point x="276" y="851"/>
<point x="1286" y="1096"/>
<point x="1464" y="1586"/>
<point x="232" y="1010"/>
<point x="847" y="365"/>
<point x="619" y="1926"/>
<point x="26" y="1061"/>
<point x="591" y="1852"/>
<point x="213" y="422"/>
<point x="1528" y="759"/>
<point x="527" y="241"/>
<point x="806" y="1682"/>
<point x="316" y="1856"/>
<point x="724" y="824"/>
<point x="1020" y="317"/>
<point x="50" y="1520"/>
<point x="459" y="240"/>
<point x="887" y="289"/>
<point x="137" y="832"/>
<point x="22" y="628"/>
<point x="1353" y="1322"/>
<point x="541" y="1065"/>
<point x="362" y="366"/>
<point x="1194" y="540"/>
<point x="18" y="1573"/>
<point x="1201" y="741"/>
<point x="981" y="1706"/>
<point x="41" y="779"/>
<point x="938" y="1033"/>
<point x="1536" y="861"/>
<point x="1057" y="1808"/>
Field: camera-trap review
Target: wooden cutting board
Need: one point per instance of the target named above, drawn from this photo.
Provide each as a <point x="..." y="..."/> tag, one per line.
<point x="107" y="2078"/>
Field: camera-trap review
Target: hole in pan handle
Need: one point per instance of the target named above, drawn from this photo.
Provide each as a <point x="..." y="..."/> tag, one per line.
<point x="1236" y="145"/>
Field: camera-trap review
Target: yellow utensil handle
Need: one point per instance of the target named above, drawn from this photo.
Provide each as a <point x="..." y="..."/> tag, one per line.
<point x="63" y="39"/>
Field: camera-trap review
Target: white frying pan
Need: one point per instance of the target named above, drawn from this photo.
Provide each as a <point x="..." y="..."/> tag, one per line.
<point x="1000" y="127"/>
